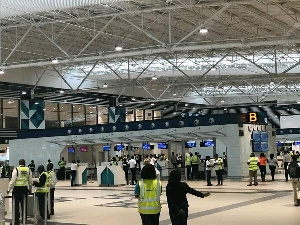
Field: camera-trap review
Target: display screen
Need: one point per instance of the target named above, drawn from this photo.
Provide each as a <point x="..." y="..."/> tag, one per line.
<point x="146" y="146"/>
<point x="278" y="143"/>
<point x="120" y="147"/>
<point x="256" y="146"/>
<point x="106" y="147"/>
<point x="71" y="149"/>
<point x="297" y="142"/>
<point x="162" y="145"/>
<point x="190" y="144"/>
<point x="264" y="136"/>
<point x="209" y="143"/>
<point x="83" y="149"/>
<point x="256" y="135"/>
<point x="264" y="146"/>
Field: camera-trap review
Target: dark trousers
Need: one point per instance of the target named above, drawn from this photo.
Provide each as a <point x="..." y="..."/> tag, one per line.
<point x="208" y="177"/>
<point x="18" y="198"/>
<point x="263" y="172"/>
<point x="150" y="219"/>
<point x="126" y="176"/>
<point x="73" y="175"/>
<point x="286" y="172"/>
<point x="61" y="173"/>
<point x="175" y="165"/>
<point x="188" y="172"/>
<point x="272" y="168"/>
<point x="133" y="176"/>
<point x="52" y="200"/>
<point x="219" y="174"/>
<point x="179" y="219"/>
<point x="41" y="199"/>
<point x="194" y="170"/>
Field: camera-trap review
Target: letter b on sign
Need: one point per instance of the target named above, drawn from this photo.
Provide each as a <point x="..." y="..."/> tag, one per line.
<point x="252" y="117"/>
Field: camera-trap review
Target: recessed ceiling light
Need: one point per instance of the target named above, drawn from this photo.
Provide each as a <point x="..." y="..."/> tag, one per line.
<point x="263" y="96"/>
<point x="222" y="101"/>
<point x="186" y="104"/>
<point x="298" y="102"/>
<point x="259" y="106"/>
<point x="23" y="92"/>
<point x="105" y="85"/>
<point x="133" y="98"/>
<point x="9" y="102"/>
<point x="203" y="30"/>
<point x="36" y="103"/>
<point x="55" y="61"/>
<point x="214" y="68"/>
<point x="61" y="91"/>
<point x="154" y="78"/>
<point x="118" y="48"/>
<point x="152" y="103"/>
<point x="98" y="99"/>
<point x="44" y="109"/>
<point x="174" y="94"/>
<point x="1" y="71"/>
<point x="120" y="105"/>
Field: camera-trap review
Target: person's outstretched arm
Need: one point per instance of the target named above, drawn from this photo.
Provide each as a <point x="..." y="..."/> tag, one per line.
<point x="192" y="191"/>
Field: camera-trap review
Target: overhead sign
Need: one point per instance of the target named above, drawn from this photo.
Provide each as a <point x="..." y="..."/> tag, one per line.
<point x="254" y="118"/>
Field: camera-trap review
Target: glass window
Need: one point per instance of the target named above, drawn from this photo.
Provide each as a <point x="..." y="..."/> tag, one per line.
<point x="65" y="115"/>
<point x="51" y="115"/>
<point x="129" y="115"/>
<point x="139" y="115"/>
<point x="10" y="113"/>
<point x="148" y="114"/>
<point x="157" y="115"/>
<point x="78" y="115"/>
<point x="91" y="115"/>
<point x="102" y="115"/>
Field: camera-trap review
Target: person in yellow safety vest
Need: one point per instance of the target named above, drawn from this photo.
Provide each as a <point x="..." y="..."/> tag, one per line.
<point x="148" y="191"/>
<point x="195" y="165"/>
<point x="253" y="163"/>
<point x="62" y="169"/>
<point x="21" y="184"/>
<point x="42" y="191"/>
<point x="219" y="169"/>
<point x="117" y="158"/>
<point x="113" y="161"/>
<point x="188" y="165"/>
<point x="52" y="181"/>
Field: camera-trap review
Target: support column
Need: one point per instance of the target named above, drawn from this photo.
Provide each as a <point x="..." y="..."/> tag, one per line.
<point x="116" y="114"/>
<point x="215" y="147"/>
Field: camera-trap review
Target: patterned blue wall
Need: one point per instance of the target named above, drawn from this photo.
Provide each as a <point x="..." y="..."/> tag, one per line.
<point x="32" y="114"/>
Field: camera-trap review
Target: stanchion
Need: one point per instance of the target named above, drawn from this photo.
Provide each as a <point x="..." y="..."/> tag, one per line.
<point x="45" y="208"/>
<point x="24" y="210"/>
<point x="13" y="210"/>
<point x="34" y="209"/>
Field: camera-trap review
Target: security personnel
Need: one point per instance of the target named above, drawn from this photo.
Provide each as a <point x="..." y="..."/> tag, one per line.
<point x="52" y="182"/>
<point x="42" y="191"/>
<point x="62" y="169"/>
<point x="113" y="161"/>
<point x="188" y="164"/>
<point x="253" y="163"/>
<point x="21" y="183"/>
<point x="195" y="165"/>
<point x="148" y="191"/>
<point x="219" y="169"/>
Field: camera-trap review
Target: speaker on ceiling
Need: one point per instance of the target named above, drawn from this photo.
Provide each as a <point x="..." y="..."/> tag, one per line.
<point x="241" y="133"/>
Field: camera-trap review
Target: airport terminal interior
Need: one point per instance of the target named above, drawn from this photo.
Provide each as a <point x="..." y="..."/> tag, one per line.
<point x="103" y="88"/>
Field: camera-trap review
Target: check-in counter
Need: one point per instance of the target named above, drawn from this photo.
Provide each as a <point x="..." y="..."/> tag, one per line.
<point x="81" y="175"/>
<point x="110" y="175"/>
<point x="163" y="168"/>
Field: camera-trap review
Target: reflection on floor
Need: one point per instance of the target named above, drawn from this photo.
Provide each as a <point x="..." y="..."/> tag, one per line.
<point x="233" y="203"/>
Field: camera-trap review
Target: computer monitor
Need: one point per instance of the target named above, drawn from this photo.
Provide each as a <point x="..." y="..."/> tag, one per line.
<point x="106" y="147"/>
<point x="146" y="146"/>
<point x="162" y="145"/>
<point x="71" y="149"/>
<point x="84" y="149"/>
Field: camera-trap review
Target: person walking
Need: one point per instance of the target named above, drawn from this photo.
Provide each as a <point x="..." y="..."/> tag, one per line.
<point x="208" y="168"/>
<point x="294" y="169"/>
<point x="73" y="172"/>
<point x="52" y="182"/>
<point x="42" y="191"/>
<point x="21" y="184"/>
<point x="126" y="168"/>
<point x="176" y="197"/>
<point x="62" y="169"/>
<point x="148" y="191"/>
<point x="31" y="166"/>
<point x="253" y="163"/>
<point x="195" y="165"/>
<point x="286" y="161"/>
<point x="272" y="165"/>
<point x="132" y="167"/>
<point x="188" y="163"/>
<point x="174" y="160"/>
<point x="262" y="166"/>
<point x="219" y="169"/>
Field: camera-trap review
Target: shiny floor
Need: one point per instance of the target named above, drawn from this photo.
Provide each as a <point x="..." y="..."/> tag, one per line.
<point x="234" y="203"/>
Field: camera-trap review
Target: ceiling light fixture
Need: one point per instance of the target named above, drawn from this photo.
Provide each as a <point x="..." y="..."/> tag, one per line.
<point x="152" y="104"/>
<point x="55" y="61"/>
<point x="23" y="92"/>
<point x="118" y="48"/>
<point x="223" y="101"/>
<point x="203" y="30"/>
<point x="121" y="105"/>
<point x="263" y="96"/>
<point x="98" y="99"/>
<point x="174" y="94"/>
<point x="36" y="103"/>
<point x="133" y="98"/>
<point x="61" y="91"/>
<point x="154" y="78"/>
<point x="1" y="71"/>
<point x="105" y="85"/>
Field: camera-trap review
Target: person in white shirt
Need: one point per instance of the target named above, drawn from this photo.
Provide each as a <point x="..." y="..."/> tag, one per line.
<point x="153" y="160"/>
<point x="73" y="172"/>
<point x="52" y="182"/>
<point x="132" y="167"/>
<point x="209" y="166"/>
<point x="286" y="160"/>
<point x="272" y="165"/>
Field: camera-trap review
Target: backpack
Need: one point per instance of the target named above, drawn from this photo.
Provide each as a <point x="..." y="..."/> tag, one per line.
<point x="294" y="170"/>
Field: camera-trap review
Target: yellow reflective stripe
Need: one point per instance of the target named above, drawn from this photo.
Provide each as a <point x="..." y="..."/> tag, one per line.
<point x="149" y="208"/>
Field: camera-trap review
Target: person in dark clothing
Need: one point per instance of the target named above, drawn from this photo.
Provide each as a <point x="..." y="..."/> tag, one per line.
<point x="42" y="191"/>
<point x="126" y="168"/>
<point x="74" y="167"/>
<point x="32" y="166"/>
<point x="176" y="196"/>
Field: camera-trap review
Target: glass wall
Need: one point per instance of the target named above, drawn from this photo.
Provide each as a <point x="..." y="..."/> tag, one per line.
<point x="51" y="115"/>
<point x="10" y="115"/>
<point x="102" y="115"/>
<point x="139" y="115"/>
<point x="65" y="115"/>
<point x="78" y="115"/>
<point x="91" y="115"/>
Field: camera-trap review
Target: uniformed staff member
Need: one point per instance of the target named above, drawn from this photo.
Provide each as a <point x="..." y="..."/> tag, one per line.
<point x="21" y="183"/>
<point x="42" y="190"/>
<point x="219" y="169"/>
<point x="148" y="191"/>
<point x="52" y="182"/>
<point x="195" y="165"/>
<point x="188" y="164"/>
<point x="253" y="163"/>
<point x="62" y="168"/>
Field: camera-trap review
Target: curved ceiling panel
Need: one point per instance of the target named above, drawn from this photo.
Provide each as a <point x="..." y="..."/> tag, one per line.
<point x="19" y="7"/>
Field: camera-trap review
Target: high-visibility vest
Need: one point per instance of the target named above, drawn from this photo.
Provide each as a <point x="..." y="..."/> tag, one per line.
<point x="195" y="159"/>
<point x="188" y="160"/>
<point x="253" y="164"/>
<point x="51" y="183"/>
<point x="62" y="164"/>
<point x="220" y="164"/>
<point x="298" y="159"/>
<point x="23" y="175"/>
<point x="46" y="187"/>
<point x="149" y="199"/>
<point x="113" y="163"/>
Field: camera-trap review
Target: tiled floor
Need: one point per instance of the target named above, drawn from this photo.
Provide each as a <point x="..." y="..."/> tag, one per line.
<point x="270" y="203"/>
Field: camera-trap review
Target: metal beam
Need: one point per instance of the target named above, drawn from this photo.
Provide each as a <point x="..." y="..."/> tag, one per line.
<point x="39" y="79"/>
<point x="113" y="70"/>
<point x="91" y="70"/>
<point x="62" y="77"/>
<point x="177" y="68"/>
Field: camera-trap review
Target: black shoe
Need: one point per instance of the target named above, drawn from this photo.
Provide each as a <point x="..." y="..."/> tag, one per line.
<point x="209" y="185"/>
<point x="52" y="213"/>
